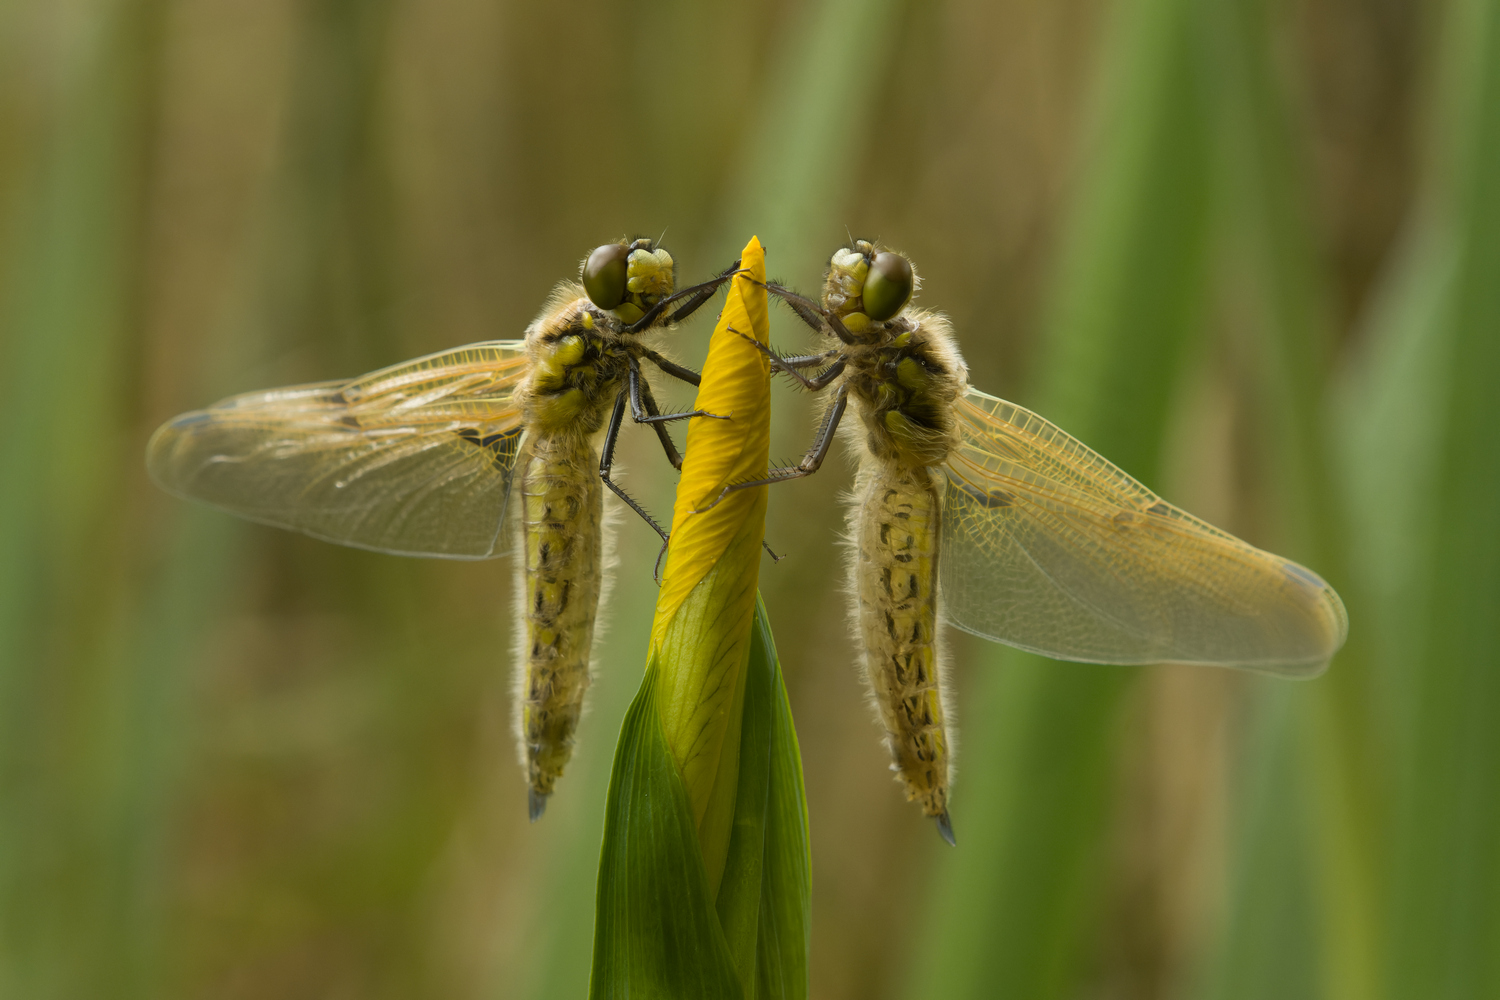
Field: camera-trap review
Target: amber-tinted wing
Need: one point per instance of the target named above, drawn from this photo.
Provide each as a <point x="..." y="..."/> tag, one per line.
<point x="416" y="459"/>
<point x="1049" y="547"/>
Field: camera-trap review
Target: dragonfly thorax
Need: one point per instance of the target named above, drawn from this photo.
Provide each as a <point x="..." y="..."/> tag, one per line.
<point x="904" y="388"/>
<point x="579" y="362"/>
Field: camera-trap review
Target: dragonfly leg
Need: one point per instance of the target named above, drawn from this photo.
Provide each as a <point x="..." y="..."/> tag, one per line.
<point x="607" y="461"/>
<point x="643" y="406"/>
<point x="811" y="313"/>
<point x="640" y="397"/>
<point x="801" y="361"/>
<point x="810" y="463"/>
<point x="695" y="295"/>
<point x="791" y="365"/>
<point x="671" y="367"/>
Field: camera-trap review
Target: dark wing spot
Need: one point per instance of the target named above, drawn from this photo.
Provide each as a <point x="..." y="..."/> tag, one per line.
<point x="502" y="446"/>
<point x="1159" y="509"/>
<point x="990" y="501"/>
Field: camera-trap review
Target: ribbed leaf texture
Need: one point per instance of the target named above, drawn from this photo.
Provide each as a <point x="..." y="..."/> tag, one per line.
<point x="658" y="930"/>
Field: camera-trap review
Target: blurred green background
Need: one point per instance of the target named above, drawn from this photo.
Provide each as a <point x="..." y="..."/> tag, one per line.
<point x="1249" y="249"/>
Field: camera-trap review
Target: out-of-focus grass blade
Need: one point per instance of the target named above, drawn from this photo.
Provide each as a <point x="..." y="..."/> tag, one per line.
<point x="1011" y="909"/>
<point x="94" y="630"/>
<point x="1306" y="776"/>
<point x="658" y="930"/>
<point x="1388" y="412"/>
<point x="1446" y="904"/>
<point x="1269" y="942"/>
<point x="821" y="99"/>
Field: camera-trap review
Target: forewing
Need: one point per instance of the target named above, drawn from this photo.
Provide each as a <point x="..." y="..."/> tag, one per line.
<point x="416" y="459"/>
<point x="1049" y="547"/>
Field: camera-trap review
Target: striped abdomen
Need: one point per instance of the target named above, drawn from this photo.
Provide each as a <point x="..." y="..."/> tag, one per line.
<point x="560" y="574"/>
<point x="896" y="526"/>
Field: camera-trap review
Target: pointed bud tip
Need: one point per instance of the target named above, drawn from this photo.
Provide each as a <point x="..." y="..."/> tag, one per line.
<point x="945" y="828"/>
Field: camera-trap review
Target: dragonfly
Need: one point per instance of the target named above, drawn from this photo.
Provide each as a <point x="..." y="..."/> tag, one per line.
<point x="419" y="459"/>
<point x="974" y="510"/>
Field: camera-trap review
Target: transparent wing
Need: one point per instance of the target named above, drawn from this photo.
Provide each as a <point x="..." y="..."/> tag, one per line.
<point x="1049" y="547"/>
<point x="416" y="459"/>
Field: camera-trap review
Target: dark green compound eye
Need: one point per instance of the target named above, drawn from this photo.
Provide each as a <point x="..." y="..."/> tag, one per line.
<point x="604" y="275"/>
<point x="888" y="286"/>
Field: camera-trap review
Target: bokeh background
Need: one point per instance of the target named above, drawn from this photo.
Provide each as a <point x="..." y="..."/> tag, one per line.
<point x="1249" y="249"/>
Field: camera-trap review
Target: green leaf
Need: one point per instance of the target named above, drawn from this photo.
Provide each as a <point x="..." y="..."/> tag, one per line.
<point x="1445" y="911"/>
<point x="659" y="932"/>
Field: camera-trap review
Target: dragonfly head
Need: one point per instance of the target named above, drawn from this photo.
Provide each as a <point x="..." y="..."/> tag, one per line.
<point x="867" y="285"/>
<point x="629" y="277"/>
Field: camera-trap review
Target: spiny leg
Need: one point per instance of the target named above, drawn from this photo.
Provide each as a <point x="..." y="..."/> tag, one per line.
<point x="640" y="391"/>
<point x="810" y="463"/>
<point x="695" y="295"/>
<point x="811" y="313"/>
<point x="799" y="361"/>
<point x="640" y="395"/>
<point x="671" y="367"/>
<point x="806" y="309"/>
<point x="702" y="294"/>
<point x="791" y="365"/>
<point x="607" y="461"/>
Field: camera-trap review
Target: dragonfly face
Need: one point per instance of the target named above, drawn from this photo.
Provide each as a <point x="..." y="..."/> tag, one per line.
<point x="628" y="278"/>
<point x="865" y="285"/>
<point x="975" y="510"/>
<point x="902" y="369"/>
<point x="420" y="459"/>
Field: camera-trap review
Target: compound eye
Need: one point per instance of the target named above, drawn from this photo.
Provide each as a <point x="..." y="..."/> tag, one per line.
<point x="888" y="286"/>
<point x="604" y="275"/>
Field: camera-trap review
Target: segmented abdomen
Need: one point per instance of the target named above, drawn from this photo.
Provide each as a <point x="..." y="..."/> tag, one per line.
<point x="895" y="523"/>
<point x="560" y="575"/>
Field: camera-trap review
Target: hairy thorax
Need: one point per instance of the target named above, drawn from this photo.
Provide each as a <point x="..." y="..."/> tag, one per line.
<point x="578" y="365"/>
<point x="904" y="384"/>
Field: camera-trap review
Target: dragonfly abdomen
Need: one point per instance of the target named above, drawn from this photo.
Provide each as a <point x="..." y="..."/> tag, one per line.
<point x="560" y="576"/>
<point x="896" y="526"/>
